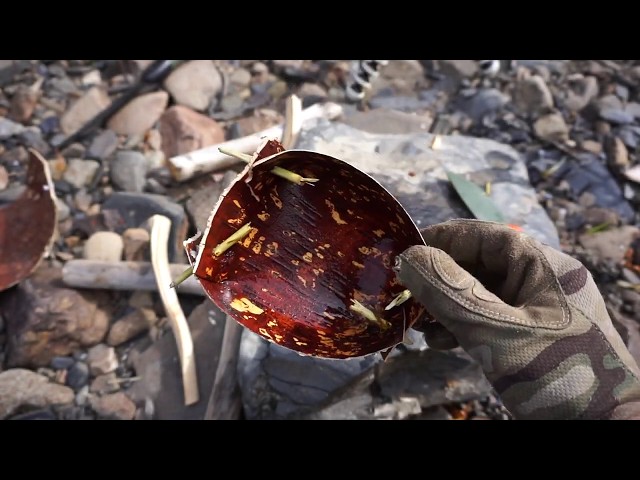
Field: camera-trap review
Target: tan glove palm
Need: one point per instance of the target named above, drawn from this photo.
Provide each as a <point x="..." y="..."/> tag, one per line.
<point x="530" y="315"/>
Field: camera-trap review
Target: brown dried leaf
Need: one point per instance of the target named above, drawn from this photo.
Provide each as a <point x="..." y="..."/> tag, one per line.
<point x="27" y="226"/>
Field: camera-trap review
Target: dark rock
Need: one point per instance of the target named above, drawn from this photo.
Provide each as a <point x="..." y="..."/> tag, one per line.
<point x="31" y="138"/>
<point x="622" y="92"/>
<point x="405" y="385"/>
<point x="57" y="139"/>
<point x="9" y="68"/>
<point x="260" y="89"/>
<point x="61" y="363"/>
<point x="136" y="208"/>
<point x="45" y="320"/>
<point x="78" y="375"/>
<point x="629" y="135"/>
<point x="484" y="102"/>
<point x="633" y="108"/>
<point x="49" y="125"/>
<point x="103" y="145"/>
<point x="41" y="414"/>
<point x="615" y="115"/>
<point x="62" y="86"/>
<point x="9" y="128"/>
<point x="276" y="382"/>
<point x="128" y="171"/>
<point x="159" y="367"/>
<point x="75" y="413"/>
<point x="592" y="176"/>
<point x="454" y="72"/>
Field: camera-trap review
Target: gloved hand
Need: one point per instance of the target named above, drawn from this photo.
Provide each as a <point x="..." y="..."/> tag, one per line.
<point x="530" y="315"/>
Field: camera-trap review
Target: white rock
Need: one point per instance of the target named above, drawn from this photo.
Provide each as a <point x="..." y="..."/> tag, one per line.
<point x="104" y="246"/>
<point x="194" y="84"/>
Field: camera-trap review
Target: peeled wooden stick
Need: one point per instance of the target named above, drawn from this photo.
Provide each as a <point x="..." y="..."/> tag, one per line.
<point x="293" y="122"/>
<point x="160" y="227"/>
<point x="186" y="166"/>
<point x="123" y="276"/>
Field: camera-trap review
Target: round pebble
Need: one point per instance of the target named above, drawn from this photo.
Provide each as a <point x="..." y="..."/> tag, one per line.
<point x="104" y="246"/>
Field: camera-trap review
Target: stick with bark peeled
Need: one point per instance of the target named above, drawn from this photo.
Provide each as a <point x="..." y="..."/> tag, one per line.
<point x="186" y="166"/>
<point x="160" y="227"/>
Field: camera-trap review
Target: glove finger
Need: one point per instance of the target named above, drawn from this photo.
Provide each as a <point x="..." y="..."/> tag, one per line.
<point x="450" y="293"/>
<point x="506" y="262"/>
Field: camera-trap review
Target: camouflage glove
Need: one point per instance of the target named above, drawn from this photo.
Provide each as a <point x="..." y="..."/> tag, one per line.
<point x="530" y="315"/>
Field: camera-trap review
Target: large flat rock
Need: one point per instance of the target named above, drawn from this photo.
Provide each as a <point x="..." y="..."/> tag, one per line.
<point x="279" y="383"/>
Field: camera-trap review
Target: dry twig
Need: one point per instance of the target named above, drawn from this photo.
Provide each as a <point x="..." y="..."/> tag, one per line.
<point x="160" y="227"/>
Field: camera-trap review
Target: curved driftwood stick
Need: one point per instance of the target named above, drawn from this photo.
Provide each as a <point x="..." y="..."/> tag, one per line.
<point x="186" y="166"/>
<point x="160" y="227"/>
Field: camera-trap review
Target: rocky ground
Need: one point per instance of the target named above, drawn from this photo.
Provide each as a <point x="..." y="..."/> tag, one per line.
<point x="74" y="353"/>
